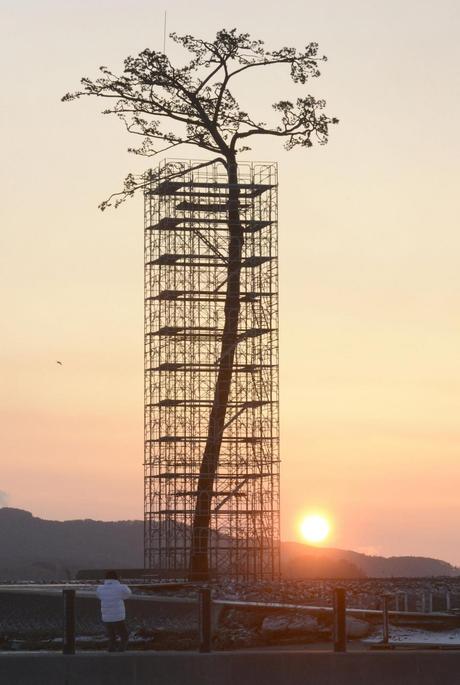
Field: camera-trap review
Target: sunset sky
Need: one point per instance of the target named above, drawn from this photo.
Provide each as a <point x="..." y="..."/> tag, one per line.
<point x="369" y="266"/>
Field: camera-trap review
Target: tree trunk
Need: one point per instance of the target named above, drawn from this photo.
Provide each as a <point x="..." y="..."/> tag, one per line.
<point x="199" y="567"/>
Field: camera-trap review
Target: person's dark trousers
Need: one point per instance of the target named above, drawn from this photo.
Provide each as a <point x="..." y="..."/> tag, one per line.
<point x="117" y="629"/>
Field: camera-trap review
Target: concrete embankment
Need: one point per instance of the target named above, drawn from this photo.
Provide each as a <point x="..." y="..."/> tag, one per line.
<point x="228" y="668"/>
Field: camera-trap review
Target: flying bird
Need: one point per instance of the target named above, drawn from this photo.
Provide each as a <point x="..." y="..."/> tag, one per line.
<point x="60" y="363"/>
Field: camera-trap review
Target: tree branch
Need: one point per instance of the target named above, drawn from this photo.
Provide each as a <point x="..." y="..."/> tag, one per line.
<point x="209" y="77"/>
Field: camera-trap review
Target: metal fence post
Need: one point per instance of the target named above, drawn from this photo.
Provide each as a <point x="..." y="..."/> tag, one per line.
<point x="427" y="602"/>
<point x="68" y="646"/>
<point x="406" y="601"/>
<point x="401" y="601"/>
<point x="386" y="621"/>
<point x="340" y="625"/>
<point x="430" y="601"/>
<point x="204" y="600"/>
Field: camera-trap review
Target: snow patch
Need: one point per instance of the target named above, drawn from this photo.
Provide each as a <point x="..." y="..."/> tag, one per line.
<point x="418" y="635"/>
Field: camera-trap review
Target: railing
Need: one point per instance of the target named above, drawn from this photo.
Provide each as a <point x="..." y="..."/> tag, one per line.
<point x="204" y="621"/>
<point x="206" y="605"/>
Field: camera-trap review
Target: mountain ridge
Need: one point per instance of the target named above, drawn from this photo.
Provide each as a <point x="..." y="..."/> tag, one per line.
<point x="32" y="548"/>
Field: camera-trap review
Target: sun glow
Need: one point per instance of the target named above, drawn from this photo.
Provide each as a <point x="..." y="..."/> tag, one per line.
<point x="315" y="528"/>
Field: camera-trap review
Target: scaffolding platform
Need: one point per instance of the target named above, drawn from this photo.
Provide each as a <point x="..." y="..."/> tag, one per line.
<point x="204" y="189"/>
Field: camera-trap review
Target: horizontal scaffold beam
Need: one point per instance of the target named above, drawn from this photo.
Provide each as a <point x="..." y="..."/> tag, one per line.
<point x="204" y="189"/>
<point x="192" y="223"/>
<point x="246" y="439"/>
<point x="208" y="403"/>
<point x="205" y="332"/>
<point x="204" y="367"/>
<point x="214" y="493"/>
<point x="204" y="260"/>
<point x="208" y="207"/>
<point x="220" y="476"/>
<point x="205" y="295"/>
<point x="222" y="512"/>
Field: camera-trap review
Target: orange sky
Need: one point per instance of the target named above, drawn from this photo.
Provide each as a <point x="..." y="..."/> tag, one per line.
<point x="369" y="254"/>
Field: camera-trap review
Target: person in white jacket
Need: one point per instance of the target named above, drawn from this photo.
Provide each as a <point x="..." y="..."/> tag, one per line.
<point x="112" y="595"/>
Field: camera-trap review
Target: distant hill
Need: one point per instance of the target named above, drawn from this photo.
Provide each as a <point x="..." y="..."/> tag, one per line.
<point x="32" y="548"/>
<point x="37" y="549"/>
<point x="303" y="561"/>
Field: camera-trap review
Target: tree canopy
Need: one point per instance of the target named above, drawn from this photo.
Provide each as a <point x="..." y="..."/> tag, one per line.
<point x="151" y="94"/>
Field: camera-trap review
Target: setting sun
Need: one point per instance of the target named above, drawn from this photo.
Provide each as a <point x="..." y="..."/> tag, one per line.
<point x="315" y="528"/>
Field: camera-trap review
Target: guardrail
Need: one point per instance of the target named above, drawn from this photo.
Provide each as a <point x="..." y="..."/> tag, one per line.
<point x="206" y="606"/>
<point x="204" y="621"/>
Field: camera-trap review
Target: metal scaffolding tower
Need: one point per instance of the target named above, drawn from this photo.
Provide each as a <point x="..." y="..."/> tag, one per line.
<point x="186" y="246"/>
